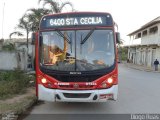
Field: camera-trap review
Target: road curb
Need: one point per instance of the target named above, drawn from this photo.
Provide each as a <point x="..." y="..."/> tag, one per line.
<point x="141" y="69"/>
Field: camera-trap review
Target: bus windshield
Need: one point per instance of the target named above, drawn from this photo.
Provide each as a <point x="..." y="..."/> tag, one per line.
<point x="77" y="50"/>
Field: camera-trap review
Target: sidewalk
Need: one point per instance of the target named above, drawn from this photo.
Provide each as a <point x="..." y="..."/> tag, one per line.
<point x="140" y="67"/>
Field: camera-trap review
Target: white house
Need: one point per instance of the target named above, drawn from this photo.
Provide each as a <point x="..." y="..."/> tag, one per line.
<point x="19" y="58"/>
<point x="144" y="45"/>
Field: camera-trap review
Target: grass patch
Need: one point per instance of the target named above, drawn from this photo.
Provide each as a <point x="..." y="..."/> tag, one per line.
<point x="18" y="107"/>
<point x="13" y="82"/>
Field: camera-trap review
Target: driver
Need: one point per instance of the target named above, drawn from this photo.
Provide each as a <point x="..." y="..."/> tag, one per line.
<point x="93" y="50"/>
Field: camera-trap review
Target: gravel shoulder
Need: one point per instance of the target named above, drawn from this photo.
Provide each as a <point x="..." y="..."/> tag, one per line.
<point x="18" y="104"/>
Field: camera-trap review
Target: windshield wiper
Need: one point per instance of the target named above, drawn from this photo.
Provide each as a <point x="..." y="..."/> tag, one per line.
<point x="62" y="35"/>
<point x="87" y="36"/>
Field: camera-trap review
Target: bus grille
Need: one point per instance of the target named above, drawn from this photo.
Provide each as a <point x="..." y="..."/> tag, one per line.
<point x="65" y="78"/>
<point x="76" y="95"/>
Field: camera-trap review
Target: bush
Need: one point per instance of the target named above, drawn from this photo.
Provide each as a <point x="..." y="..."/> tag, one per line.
<point x="122" y="53"/>
<point x="13" y="82"/>
<point x="8" y="47"/>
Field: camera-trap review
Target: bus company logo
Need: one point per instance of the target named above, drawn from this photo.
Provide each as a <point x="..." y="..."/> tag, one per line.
<point x="75" y="73"/>
<point x="75" y="85"/>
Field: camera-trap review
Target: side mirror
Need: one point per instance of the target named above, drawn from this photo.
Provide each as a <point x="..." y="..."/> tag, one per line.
<point x="33" y="38"/>
<point x="117" y="37"/>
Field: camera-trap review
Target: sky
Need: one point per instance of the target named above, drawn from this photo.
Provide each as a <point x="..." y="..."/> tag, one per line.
<point x="128" y="14"/>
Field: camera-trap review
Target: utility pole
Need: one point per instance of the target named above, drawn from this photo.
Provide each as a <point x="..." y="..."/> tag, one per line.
<point x="3" y="19"/>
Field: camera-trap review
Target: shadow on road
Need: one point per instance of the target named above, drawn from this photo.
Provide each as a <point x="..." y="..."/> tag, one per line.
<point x="70" y="107"/>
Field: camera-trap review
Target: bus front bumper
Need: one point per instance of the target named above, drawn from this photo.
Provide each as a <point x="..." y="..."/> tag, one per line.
<point x="97" y="95"/>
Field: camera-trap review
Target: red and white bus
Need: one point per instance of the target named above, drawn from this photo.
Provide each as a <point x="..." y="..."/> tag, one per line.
<point x="76" y="58"/>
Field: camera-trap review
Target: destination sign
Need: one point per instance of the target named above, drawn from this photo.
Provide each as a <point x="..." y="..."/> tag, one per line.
<point x="71" y="21"/>
<point x="76" y="21"/>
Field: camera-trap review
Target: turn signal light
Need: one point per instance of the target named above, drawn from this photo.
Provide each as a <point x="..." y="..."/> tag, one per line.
<point x="104" y="85"/>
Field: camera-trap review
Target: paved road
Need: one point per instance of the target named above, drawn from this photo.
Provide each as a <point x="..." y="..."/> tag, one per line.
<point x="139" y="92"/>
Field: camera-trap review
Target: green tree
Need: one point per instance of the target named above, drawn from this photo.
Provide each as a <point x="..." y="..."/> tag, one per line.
<point x="120" y="43"/>
<point x="15" y="33"/>
<point x="56" y="7"/>
<point x="30" y="20"/>
<point x="34" y="16"/>
<point x="25" y="24"/>
<point x="8" y="47"/>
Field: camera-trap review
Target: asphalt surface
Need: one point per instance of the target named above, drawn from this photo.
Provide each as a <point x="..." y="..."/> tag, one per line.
<point x="139" y="93"/>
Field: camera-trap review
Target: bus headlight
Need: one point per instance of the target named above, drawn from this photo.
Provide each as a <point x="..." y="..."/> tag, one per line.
<point x="44" y="80"/>
<point x="110" y="80"/>
<point x="46" y="83"/>
<point x="107" y="83"/>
